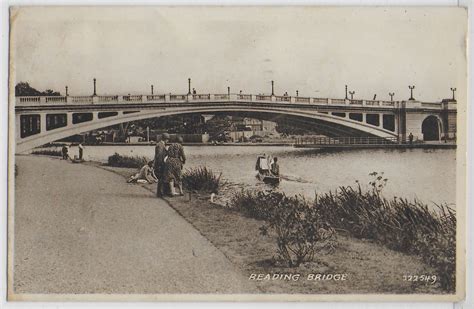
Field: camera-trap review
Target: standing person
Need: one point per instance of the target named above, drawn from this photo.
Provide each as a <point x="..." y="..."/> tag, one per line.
<point x="410" y="138"/>
<point x="81" y="151"/>
<point x="65" y="152"/>
<point x="174" y="166"/>
<point x="159" y="162"/>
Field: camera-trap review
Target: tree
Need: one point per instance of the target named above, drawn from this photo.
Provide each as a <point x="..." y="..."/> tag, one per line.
<point x="24" y="89"/>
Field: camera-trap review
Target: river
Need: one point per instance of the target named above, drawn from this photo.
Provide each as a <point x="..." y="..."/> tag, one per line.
<point x="428" y="175"/>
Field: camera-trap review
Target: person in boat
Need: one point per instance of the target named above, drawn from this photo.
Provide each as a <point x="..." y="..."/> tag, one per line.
<point x="145" y="175"/>
<point x="274" y="167"/>
<point x="262" y="165"/>
<point x="174" y="165"/>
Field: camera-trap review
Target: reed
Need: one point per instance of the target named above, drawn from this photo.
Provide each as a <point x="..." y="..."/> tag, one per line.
<point x="201" y="179"/>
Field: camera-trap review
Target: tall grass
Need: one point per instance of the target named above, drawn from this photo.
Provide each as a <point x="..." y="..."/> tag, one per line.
<point x="48" y="152"/>
<point x="201" y="179"/>
<point x="127" y="161"/>
<point x="406" y="226"/>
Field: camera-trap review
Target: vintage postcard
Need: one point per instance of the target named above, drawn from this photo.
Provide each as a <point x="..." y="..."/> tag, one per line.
<point x="237" y="153"/>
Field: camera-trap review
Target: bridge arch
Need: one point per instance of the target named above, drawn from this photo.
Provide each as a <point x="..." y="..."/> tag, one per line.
<point x="432" y="128"/>
<point x="328" y="124"/>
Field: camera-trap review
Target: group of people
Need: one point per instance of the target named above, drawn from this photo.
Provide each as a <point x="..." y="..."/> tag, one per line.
<point x="65" y="152"/>
<point x="166" y="168"/>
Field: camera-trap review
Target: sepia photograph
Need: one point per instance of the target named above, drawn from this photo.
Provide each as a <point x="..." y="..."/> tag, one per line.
<point x="237" y="153"/>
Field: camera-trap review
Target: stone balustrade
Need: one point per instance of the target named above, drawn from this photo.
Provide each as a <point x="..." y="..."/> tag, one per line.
<point x="260" y="98"/>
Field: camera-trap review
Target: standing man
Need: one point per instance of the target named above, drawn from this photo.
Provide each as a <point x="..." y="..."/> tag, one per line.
<point x="159" y="163"/>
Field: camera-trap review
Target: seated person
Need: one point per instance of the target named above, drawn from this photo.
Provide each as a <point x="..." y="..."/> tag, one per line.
<point x="145" y="175"/>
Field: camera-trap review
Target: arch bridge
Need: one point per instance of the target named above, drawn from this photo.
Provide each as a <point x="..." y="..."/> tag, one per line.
<point x="43" y="119"/>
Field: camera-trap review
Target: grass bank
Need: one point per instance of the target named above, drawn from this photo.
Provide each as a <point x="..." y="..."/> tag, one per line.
<point x="371" y="267"/>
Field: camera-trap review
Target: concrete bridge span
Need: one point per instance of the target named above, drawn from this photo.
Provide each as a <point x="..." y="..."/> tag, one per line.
<point x="39" y="120"/>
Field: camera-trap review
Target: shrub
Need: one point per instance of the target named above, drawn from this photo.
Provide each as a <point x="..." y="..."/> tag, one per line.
<point x="127" y="161"/>
<point x="201" y="179"/>
<point x="299" y="228"/>
<point x="48" y="152"/>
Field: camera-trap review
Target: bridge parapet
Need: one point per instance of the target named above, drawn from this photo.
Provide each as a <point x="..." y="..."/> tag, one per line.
<point x="28" y="101"/>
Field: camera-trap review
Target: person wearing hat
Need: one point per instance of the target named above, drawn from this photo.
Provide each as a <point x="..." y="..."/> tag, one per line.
<point x="159" y="163"/>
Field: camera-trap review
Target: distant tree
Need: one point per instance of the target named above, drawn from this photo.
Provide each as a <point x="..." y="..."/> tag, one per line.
<point x="24" y="89"/>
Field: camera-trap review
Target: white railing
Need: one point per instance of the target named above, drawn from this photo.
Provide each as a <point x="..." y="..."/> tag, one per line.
<point x="221" y="97"/>
<point x="29" y="99"/>
<point x="201" y="96"/>
<point x="55" y="99"/>
<point x="244" y="97"/>
<point x="162" y="98"/>
<point x="108" y="98"/>
<point x="282" y="99"/>
<point x="302" y="100"/>
<point x="82" y="99"/>
<point x="372" y="103"/>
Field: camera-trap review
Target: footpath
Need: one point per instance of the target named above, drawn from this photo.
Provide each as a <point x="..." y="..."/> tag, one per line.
<point x="81" y="229"/>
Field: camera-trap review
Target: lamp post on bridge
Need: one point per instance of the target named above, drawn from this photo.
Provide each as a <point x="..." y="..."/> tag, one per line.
<point x="273" y="91"/>
<point x="95" y="92"/>
<point x="66" y="92"/>
<point x="228" y="91"/>
<point x="411" y="92"/>
<point x="453" y="90"/>
<point x="189" y="85"/>
<point x="391" y="94"/>
<point x="151" y="89"/>
<point x="352" y="94"/>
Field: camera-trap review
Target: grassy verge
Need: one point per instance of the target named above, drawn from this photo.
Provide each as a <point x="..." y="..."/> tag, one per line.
<point x="371" y="268"/>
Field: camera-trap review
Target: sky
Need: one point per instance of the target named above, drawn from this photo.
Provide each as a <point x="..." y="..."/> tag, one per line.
<point x="314" y="50"/>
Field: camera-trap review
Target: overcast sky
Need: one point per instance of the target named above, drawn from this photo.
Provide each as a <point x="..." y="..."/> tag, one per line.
<point x="314" y="50"/>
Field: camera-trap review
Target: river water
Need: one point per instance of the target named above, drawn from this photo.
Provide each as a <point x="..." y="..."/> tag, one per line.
<point x="428" y="175"/>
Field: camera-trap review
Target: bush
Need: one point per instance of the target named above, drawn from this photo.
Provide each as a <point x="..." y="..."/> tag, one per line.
<point x="201" y="179"/>
<point x="48" y="152"/>
<point x="127" y="161"/>
<point x="299" y="228"/>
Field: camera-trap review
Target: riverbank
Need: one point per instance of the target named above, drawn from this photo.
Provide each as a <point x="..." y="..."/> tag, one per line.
<point x="369" y="267"/>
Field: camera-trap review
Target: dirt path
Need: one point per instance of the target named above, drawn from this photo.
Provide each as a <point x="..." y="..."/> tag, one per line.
<point x="79" y="229"/>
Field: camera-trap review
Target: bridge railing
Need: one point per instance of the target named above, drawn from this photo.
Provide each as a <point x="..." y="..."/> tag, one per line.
<point x="302" y="100"/>
<point x="346" y="140"/>
<point x="156" y="97"/>
<point x="81" y="99"/>
<point x="189" y="98"/>
<point x="323" y="100"/>
<point x="282" y="99"/>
